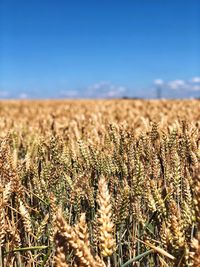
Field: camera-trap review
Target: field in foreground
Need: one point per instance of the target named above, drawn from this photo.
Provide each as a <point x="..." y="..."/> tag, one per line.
<point x="100" y="183"/>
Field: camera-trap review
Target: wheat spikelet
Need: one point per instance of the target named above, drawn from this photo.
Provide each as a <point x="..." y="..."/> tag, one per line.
<point x="2" y="225"/>
<point x="7" y="192"/>
<point x="196" y="189"/>
<point x="176" y="226"/>
<point x="25" y="217"/>
<point x="81" y="250"/>
<point x="195" y="255"/>
<point x="13" y="232"/>
<point x="82" y="230"/>
<point x="106" y="226"/>
<point x="60" y="260"/>
<point x="42" y="226"/>
<point x="160" y="205"/>
<point x="53" y="210"/>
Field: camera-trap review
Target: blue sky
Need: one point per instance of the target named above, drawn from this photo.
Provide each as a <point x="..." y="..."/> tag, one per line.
<point x="99" y="48"/>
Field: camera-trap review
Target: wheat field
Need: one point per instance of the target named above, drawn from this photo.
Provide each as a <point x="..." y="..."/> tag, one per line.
<point x="102" y="183"/>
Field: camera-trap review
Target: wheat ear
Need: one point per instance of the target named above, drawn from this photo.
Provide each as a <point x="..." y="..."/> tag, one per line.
<point x="106" y="226"/>
<point x="81" y="250"/>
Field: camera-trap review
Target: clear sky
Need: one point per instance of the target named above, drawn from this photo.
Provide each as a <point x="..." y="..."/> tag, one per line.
<point x="99" y="48"/>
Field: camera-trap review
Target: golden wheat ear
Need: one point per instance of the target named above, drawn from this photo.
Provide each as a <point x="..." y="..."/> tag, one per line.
<point x="81" y="230"/>
<point x="106" y="227"/>
<point x="60" y="259"/>
<point x="25" y="217"/>
<point x="195" y="254"/>
<point x="81" y="250"/>
<point x="61" y="251"/>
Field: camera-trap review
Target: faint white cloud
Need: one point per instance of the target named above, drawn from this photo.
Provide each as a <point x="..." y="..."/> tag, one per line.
<point x="177" y="84"/>
<point x="69" y="93"/>
<point x="100" y="86"/>
<point x="195" y="80"/>
<point x="180" y="87"/>
<point x="158" y="82"/>
<point x="23" y="95"/>
<point x="106" y="89"/>
<point x="190" y="85"/>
